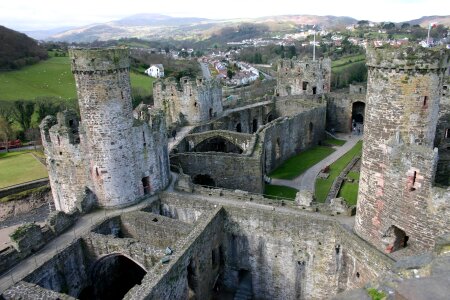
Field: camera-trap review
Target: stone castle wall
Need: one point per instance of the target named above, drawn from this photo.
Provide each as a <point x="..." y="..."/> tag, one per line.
<point x="339" y="109"/>
<point x="295" y="77"/>
<point x="442" y="139"/>
<point x="188" y="100"/>
<point x="396" y="190"/>
<point x="109" y="158"/>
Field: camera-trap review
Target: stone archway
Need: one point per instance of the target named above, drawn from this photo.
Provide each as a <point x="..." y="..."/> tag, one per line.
<point x="217" y="144"/>
<point x="112" y="276"/>
<point x="358" y="109"/>
<point x="204" y="179"/>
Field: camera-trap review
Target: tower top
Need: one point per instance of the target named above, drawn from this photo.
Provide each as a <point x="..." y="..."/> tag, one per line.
<point x="411" y="57"/>
<point x="99" y="59"/>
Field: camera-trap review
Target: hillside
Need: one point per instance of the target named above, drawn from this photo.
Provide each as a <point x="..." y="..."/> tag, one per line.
<point x="425" y="21"/>
<point x="18" y="50"/>
<point x="151" y="26"/>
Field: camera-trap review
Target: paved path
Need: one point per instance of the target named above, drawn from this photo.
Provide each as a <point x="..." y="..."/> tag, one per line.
<point x="81" y="227"/>
<point x="306" y="181"/>
<point x="181" y="133"/>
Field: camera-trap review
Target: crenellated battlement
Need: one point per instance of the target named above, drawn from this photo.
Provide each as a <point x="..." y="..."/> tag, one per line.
<point x="99" y="59"/>
<point x="408" y="58"/>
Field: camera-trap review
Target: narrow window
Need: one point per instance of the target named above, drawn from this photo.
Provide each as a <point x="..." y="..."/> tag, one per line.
<point x="121" y="94"/>
<point x="143" y="137"/>
<point x="425" y="100"/>
<point x="447" y="133"/>
<point x="59" y="142"/>
<point x="96" y="171"/>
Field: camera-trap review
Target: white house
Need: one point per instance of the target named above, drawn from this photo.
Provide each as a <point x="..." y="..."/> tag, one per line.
<point x="156" y="71"/>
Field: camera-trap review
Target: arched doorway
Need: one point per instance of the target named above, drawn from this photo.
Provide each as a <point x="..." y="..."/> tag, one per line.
<point x="204" y="179"/>
<point x="238" y="127"/>
<point x="254" y="125"/>
<point x="358" y="114"/>
<point x="217" y="144"/>
<point x="112" y="276"/>
<point x="395" y="239"/>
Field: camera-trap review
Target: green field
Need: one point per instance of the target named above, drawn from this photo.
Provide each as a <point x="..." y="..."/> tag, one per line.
<point x="335" y="64"/>
<point x="52" y="77"/>
<point x="275" y="191"/>
<point x="298" y="164"/>
<point x="323" y="185"/>
<point x="18" y="167"/>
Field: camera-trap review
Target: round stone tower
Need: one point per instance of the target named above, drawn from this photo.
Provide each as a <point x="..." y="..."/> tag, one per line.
<point x="104" y="95"/>
<point x="398" y="161"/>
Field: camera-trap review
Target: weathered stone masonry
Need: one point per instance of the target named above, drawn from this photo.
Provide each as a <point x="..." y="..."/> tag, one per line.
<point x="397" y="201"/>
<point x="108" y="158"/>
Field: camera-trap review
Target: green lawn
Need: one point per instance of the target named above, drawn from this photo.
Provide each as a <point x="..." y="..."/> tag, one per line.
<point x="347" y="60"/>
<point x="323" y="185"/>
<point x="274" y="191"/>
<point x="296" y="165"/>
<point x="335" y="142"/>
<point x="349" y="191"/>
<point x="19" y="167"/>
<point x="51" y="77"/>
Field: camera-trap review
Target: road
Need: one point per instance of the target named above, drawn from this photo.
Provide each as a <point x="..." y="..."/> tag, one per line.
<point x="306" y="181"/>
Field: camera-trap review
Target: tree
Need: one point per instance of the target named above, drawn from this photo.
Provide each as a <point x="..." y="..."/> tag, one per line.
<point x="406" y="25"/>
<point x="230" y="73"/>
<point x="363" y="23"/>
<point x="6" y="132"/>
<point x="22" y="112"/>
<point x="389" y="26"/>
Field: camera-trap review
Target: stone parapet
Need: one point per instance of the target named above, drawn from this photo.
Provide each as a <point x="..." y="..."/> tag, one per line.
<point x="97" y="59"/>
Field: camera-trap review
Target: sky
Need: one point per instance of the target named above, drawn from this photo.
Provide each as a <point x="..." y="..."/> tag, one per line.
<point x="47" y="14"/>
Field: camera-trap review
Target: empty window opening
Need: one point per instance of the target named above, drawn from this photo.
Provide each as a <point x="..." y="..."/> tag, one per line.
<point x="360" y="90"/>
<point x="425" y="101"/>
<point x="192" y="279"/>
<point x="314" y="89"/>
<point x="238" y="127"/>
<point x="337" y="248"/>
<point x="146" y="185"/>
<point x="270" y="118"/>
<point x="305" y="85"/>
<point x="394" y="239"/>
<point x="357" y="275"/>
<point x="185" y="81"/>
<point x="96" y="171"/>
<point x="121" y="94"/>
<point x="59" y="141"/>
<point x="143" y="138"/>
<point x="70" y="123"/>
<point x="254" y="125"/>
<point x="195" y="104"/>
<point x="413" y="182"/>
<point x="210" y="113"/>
<point x="277" y="149"/>
<point x="155" y="220"/>
<point x="60" y="153"/>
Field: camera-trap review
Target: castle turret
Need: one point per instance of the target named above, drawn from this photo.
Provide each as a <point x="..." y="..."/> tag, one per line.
<point x="189" y="100"/>
<point x="109" y="158"/>
<point x="397" y="203"/>
<point x="303" y="77"/>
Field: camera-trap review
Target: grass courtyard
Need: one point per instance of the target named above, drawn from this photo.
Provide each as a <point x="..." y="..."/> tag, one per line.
<point x="349" y="190"/>
<point x="274" y="191"/>
<point x="323" y="186"/>
<point x="299" y="163"/>
<point x="18" y="167"/>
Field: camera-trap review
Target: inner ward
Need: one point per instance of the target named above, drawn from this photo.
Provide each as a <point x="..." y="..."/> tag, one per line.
<point x="183" y="247"/>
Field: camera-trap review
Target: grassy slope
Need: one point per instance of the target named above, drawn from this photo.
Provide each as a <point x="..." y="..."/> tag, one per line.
<point x="323" y="185"/>
<point x="347" y="60"/>
<point x="51" y="77"/>
<point x="349" y="190"/>
<point x="335" y="142"/>
<point x="18" y="167"/>
<point x="274" y="191"/>
<point x="296" y="165"/>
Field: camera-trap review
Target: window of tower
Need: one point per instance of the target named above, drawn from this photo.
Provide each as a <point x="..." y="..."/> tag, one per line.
<point x="447" y="133"/>
<point x="425" y="101"/>
<point x="305" y="85"/>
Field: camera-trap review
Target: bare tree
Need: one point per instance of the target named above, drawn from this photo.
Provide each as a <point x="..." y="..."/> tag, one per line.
<point x="6" y="132"/>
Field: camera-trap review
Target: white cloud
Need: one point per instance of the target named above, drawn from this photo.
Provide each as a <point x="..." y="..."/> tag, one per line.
<point x="44" y="14"/>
